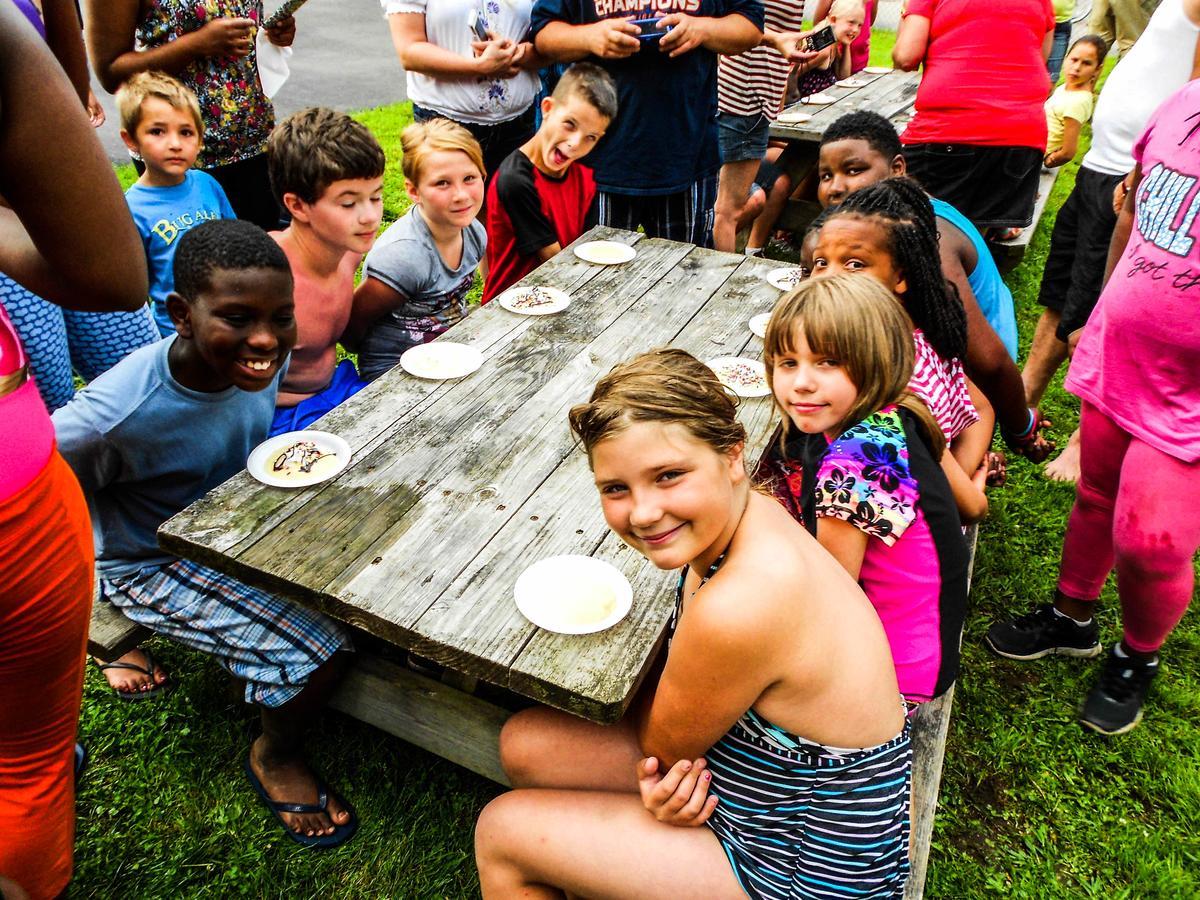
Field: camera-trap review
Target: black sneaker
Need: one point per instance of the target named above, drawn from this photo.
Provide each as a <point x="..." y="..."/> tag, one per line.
<point x="1115" y="704"/>
<point x="1044" y="632"/>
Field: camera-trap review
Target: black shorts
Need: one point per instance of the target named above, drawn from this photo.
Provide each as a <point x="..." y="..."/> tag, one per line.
<point x="994" y="187"/>
<point x="1074" y="270"/>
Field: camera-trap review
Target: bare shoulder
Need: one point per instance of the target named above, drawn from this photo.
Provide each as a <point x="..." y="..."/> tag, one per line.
<point x="772" y="568"/>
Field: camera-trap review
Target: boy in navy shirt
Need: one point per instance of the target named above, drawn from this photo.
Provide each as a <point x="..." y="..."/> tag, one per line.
<point x="159" y="430"/>
<point x="161" y="126"/>
<point x="540" y="200"/>
<point x="659" y="168"/>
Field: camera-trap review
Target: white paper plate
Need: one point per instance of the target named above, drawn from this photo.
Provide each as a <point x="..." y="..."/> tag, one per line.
<point x="793" y="118"/>
<point x="573" y="594"/>
<point x="534" y="300"/>
<point x="261" y="464"/>
<point x="818" y="99"/>
<point x="785" y="278"/>
<point x="605" y="253"/>
<point x="878" y="70"/>
<point x="853" y="83"/>
<point x="441" y="360"/>
<point x="758" y="324"/>
<point x="745" y="377"/>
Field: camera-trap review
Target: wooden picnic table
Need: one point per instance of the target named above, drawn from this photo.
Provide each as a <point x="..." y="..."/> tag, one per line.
<point x="457" y="486"/>
<point x="891" y="95"/>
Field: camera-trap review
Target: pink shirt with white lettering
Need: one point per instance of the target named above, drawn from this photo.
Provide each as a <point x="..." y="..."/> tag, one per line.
<point x="1139" y="356"/>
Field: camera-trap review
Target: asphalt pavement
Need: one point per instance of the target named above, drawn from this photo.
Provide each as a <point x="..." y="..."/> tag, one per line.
<point x="343" y="59"/>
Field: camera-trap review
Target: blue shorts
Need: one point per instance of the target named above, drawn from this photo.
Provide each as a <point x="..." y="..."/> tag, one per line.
<point x="742" y="137"/>
<point x="271" y="644"/>
<point x="344" y="385"/>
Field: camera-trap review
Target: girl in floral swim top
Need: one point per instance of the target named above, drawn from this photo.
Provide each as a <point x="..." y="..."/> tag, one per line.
<point x="859" y="463"/>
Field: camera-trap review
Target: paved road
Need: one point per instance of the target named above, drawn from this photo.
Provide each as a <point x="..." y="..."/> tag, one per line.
<point x="343" y="58"/>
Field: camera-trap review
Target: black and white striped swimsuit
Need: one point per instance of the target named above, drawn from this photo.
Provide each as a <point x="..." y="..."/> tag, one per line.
<point x="799" y="820"/>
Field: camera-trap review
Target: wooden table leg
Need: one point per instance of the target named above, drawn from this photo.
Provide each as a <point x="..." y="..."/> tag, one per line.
<point x="423" y="711"/>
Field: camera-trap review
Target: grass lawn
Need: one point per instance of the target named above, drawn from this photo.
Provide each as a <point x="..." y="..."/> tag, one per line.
<point x="1030" y="805"/>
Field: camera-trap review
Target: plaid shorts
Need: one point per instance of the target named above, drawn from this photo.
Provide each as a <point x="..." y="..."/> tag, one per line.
<point x="271" y="644"/>
<point x="686" y="216"/>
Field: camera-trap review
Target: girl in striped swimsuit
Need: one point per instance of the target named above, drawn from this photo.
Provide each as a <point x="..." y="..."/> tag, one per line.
<point x="773" y="719"/>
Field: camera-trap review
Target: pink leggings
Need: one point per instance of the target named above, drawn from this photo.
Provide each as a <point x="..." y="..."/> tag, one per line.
<point x="1135" y="506"/>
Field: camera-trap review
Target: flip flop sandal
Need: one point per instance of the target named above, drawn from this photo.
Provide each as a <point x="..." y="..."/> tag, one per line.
<point x="341" y="834"/>
<point x="149" y="669"/>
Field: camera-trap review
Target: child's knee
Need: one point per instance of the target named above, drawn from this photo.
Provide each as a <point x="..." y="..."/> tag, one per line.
<point x="1147" y="552"/>
<point x="519" y="745"/>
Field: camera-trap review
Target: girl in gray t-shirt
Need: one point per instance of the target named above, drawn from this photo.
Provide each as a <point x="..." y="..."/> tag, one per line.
<point x="411" y="291"/>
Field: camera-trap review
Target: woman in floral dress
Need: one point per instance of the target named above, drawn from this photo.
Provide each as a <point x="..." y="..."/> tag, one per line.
<point x="209" y="46"/>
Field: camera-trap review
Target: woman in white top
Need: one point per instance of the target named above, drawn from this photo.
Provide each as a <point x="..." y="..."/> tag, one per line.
<point x="487" y="86"/>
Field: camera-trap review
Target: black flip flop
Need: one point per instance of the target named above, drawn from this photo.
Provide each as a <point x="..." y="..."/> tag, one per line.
<point x="149" y="669"/>
<point x="341" y="834"/>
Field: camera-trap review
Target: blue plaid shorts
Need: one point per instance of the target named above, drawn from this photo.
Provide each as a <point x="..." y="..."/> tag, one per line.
<point x="271" y="644"/>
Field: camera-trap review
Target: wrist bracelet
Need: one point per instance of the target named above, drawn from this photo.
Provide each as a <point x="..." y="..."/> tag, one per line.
<point x="1024" y="436"/>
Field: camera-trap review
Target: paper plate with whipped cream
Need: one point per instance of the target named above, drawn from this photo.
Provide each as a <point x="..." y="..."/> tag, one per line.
<point x="441" y="360"/>
<point x="298" y="459"/>
<point x="534" y="300"/>
<point x="605" y="253"/>
<point x="573" y="594"/>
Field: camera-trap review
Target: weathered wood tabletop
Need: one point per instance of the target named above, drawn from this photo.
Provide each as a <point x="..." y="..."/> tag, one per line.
<point x="890" y="94"/>
<point x="457" y="486"/>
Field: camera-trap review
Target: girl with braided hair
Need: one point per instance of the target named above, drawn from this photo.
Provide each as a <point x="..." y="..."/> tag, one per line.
<point x="888" y="230"/>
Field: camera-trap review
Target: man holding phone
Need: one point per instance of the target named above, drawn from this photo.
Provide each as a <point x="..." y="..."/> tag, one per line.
<point x="657" y="166"/>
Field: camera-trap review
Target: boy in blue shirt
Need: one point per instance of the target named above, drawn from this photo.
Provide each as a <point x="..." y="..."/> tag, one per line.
<point x="161" y="125"/>
<point x="159" y="430"/>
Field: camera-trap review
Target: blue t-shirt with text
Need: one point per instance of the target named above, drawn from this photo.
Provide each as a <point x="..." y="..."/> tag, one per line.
<point x="163" y="215"/>
<point x="664" y="138"/>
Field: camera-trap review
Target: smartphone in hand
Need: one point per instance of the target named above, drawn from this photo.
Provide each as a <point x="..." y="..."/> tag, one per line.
<point x="819" y="40"/>
<point x="650" y="29"/>
<point x="477" y="25"/>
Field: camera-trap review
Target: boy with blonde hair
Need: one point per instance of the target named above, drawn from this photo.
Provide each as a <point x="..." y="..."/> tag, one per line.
<point x="327" y="171"/>
<point x="161" y="125"/>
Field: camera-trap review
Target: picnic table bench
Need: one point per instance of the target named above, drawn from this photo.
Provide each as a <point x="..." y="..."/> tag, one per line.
<point x="457" y="486"/>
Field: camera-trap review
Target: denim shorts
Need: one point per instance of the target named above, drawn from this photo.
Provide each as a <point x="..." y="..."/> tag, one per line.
<point x="742" y="137"/>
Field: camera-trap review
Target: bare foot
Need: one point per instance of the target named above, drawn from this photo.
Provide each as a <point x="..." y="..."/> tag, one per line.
<point x="1065" y="466"/>
<point x="133" y="680"/>
<point x="290" y="780"/>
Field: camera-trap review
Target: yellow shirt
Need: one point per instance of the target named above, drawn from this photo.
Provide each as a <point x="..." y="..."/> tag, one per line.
<point x="1064" y="104"/>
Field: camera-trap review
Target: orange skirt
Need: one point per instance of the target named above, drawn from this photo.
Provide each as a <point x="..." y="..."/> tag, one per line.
<point x="46" y="564"/>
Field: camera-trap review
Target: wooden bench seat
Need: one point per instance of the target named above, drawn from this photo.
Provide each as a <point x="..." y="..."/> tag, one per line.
<point x="111" y="635"/>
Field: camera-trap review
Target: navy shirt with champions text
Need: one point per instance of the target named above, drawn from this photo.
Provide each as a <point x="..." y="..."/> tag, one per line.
<point x="665" y="135"/>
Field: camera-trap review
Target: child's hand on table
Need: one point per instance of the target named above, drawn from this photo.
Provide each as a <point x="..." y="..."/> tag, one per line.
<point x="681" y="796"/>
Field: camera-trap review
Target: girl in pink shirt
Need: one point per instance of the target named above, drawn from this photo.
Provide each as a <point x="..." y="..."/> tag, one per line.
<point x="1135" y="371"/>
<point x="858" y="464"/>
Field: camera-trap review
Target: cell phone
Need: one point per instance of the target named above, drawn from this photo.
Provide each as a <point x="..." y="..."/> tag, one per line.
<point x="651" y="29"/>
<point x="478" y="26"/>
<point x="819" y="40"/>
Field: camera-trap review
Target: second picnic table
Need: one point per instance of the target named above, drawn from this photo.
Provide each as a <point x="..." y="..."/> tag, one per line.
<point x="890" y="93"/>
<point x="456" y="487"/>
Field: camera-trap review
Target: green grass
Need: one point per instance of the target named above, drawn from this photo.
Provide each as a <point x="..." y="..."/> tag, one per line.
<point x="1030" y="805"/>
